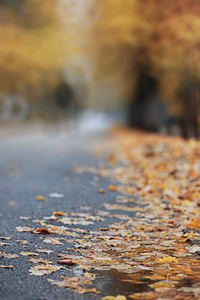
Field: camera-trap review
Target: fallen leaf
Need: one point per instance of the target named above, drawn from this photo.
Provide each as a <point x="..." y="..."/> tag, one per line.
<point x="161" y="285"/>
<point x="60" y="213"/>
<point x="101" y="191"/>
<point x="23" y="242"/>
<point x="40" y="198"/>
<point x="40" y="270"/>
<point x="113" y="188"/>
<point x="6" y="237"/>
<point x="156" y="277"/>
<point x="53" y="241"/>
<point x="23" y="229"/>
<point x="167" y="259"/>
<point x="44" y="250"/>
<point x="66" y="261"/>
<point x="119" y="297"/>
<point x="75" y="283"/>
<point x="8" y="255"/>
<point x="194" y="224"/>
<point x="41" y="230"/>
<point x="194" y="249"/>
<point x="6" y="267"/>
<point x="40" y="260"/>
<point x="4" y="244"/>
<point x="28" y="253"/>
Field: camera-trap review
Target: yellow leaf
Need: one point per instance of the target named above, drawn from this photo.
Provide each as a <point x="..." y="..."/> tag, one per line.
<point x="119" y="297"/>
<point x="28" y="253"/>
<point x="40" y="198"/>
<point x="113" y="188"/>
<point x="167" y="259"/>
<point x="156" y="277"/>
<point x="60" y="213"/>
<point x="161" y="285"/>
<point x="6" y="267"/>
<point x="194" y="224"/>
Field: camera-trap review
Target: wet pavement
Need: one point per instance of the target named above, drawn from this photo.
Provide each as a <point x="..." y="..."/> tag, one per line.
<point x="47" y="163"/>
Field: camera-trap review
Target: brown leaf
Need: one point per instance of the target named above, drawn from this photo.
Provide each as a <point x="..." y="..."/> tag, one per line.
<point x="40" y="260"/>
<point x="66" y="261"/>
<point x="6" y="237"/>
<point x="4" y="244"/>
<point x="42" y="231"/>
<point x="101" y="191"/>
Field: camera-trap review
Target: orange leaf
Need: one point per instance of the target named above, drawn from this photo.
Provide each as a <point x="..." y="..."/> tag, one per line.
<point x="194" y="224"/>
<point x="40" y="198"/>
<point x="113" y="188"/>
<point x="66" y="261"/>
<point x="59" y="213"/>
<point x="41" y="230"/>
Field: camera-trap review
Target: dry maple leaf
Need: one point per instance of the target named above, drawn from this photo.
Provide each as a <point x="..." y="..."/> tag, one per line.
<point x="66" y="261"/>
<point x="41" y="230"/>
<point x="4" y="244"/>
<point x="40" y="270"/>
<point x="8" y="255"/>
<point x="53" y="241"/>
<point x="6" y="267"/>
<point x="60" y="213"/>
<point x="113" y="188"/>
<point x="167" y="259"/>
<point x="40" y="260"/>
<point x="28" y="253"/>
<point x="44" y="250"/>
<point x="161" y="285"/>
<point x="81" y="290"/>
<point x="101" y="191"/>
<point x="22" y="229"/>
<point x="6" y="237"/>
<point x="40" y="198"/>
<point x="194" y="224"/>
<point x="119" y="297"/>
<point x="75" y="283"/>
<point x="146" y="296"/>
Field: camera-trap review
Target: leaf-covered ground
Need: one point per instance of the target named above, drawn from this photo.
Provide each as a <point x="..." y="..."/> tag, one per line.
<point x="150" y="244"/>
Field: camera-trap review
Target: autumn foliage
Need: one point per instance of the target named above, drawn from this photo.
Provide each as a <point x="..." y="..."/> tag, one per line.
<point x="30" y="52"/>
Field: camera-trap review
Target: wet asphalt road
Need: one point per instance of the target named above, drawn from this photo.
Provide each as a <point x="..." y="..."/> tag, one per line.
<point x="40" y="164"/>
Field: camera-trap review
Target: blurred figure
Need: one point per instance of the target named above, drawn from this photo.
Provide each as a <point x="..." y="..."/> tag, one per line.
<point x="190" y="109"/>
<point x="64" y="101"/>
<point x="63" y="95"/>
<point x="146" y="110"/>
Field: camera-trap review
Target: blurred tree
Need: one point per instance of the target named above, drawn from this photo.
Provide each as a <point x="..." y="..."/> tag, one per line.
<point x="31" y="51"/>
<point x="160" y="36"/>
<point x="172" y="49"/>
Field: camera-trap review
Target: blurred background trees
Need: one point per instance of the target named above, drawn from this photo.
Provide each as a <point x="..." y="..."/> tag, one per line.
<point x="102" y="49"/>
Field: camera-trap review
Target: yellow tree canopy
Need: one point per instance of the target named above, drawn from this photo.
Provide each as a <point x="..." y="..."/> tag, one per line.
<point x="30" y="51"/>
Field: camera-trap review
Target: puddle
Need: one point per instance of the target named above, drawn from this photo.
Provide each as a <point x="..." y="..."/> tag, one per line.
<point x="113" y="282"/>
